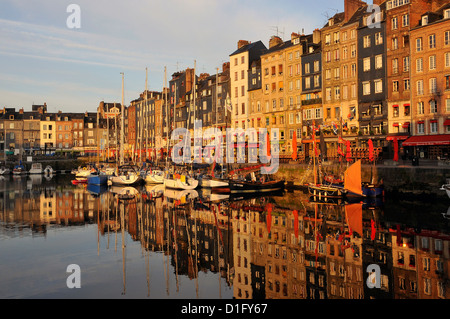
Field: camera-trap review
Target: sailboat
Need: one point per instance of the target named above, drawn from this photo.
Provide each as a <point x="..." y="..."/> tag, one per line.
<point x="154" y="176"/>
<point x="178" y="181"/>
<point x="19" y="169"/>
<point x="370" y="189"/>
<point x="126" y="175"/>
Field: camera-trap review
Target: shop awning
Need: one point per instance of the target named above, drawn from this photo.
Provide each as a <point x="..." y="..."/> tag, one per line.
<point x="405" y="125"/>
<point x="398" y="137"/>
<point x="447" y="122"/>
<point x="428" y="140"/>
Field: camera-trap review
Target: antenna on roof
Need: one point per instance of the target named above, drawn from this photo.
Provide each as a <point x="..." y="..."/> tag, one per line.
<point x="275" y="28"/>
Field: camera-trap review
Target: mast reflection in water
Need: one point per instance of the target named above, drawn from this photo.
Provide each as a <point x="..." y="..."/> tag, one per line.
<point x="148" y="242"/>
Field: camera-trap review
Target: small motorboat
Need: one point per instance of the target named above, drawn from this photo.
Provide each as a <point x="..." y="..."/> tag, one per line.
<point x="5" y="170"/>
<point x="48" y="170"/>
<point x="36" y="168"/>
<point x="19" y="169"/>
<point x="446" y="188"/>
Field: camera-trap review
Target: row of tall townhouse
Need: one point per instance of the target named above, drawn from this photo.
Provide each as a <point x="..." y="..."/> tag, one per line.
<point x="370" y="73"/>
<point x="40" y="132"/>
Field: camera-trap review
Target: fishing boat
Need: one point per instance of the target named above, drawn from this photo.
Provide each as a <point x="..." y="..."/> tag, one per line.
<point x="154" y="176"/>
<point x="178" y="181"/>
<point x="5" y="170"/>
<point x="36" y="168"/>
<point x="19" y="169"/>
<point x="126" y="175"/>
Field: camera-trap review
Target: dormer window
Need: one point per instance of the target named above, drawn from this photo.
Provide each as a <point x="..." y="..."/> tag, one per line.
<point x="424" y="20"/>
<point x="11" y="117"/>
<point x="447" y="14"/>
<point x="331" y="22"/>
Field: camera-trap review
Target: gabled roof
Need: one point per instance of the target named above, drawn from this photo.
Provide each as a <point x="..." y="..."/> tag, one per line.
<point x="255" y="46"/>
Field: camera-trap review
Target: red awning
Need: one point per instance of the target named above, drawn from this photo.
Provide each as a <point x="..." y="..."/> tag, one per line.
<point x="395" y="124"/>
<point x="420" y="122"/>
<point x="447" y="122"/>
<point x="428" y="140"/>
<point x="406" y="125"/>
<point x="433" y="121"/>
<point x="398" y="137"/>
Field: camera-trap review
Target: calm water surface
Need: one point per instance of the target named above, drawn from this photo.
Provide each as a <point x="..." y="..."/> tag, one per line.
<point x="154" y="243"/>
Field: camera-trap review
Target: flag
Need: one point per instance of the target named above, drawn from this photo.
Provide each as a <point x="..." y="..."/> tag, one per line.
<point x="349" y="152"/>
<point x="269" y="217"/>
<point x="370" y="150"/>
<point x="294" y="146"/>
<point x="395" y="150"/>
<point x="268" y="145"/>
<point x="295" y="223"/>
<point x="373" y="230"/>
<point x="335" y="128"/>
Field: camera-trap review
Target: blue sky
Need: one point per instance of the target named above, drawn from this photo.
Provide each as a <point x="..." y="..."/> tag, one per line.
<point x="72" y="70"/>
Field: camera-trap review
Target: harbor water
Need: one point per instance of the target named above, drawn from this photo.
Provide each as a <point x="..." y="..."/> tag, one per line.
<point x="59" y="240"/>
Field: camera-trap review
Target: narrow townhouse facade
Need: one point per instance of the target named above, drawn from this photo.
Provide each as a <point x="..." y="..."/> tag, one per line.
<point x="430" y="53"/>
<point x="240" y="63"/>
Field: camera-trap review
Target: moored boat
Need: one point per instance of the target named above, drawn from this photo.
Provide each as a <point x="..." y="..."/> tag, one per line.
<point x="19" y="169"/>
<point x="36" y="168"/>
<point x="48" y="170"/>
<point x="126" y="175"/>
<point x="97" y="178"/>
<point x="154" y="176"/>
<point x="5" y="170"/>
<point x="178" y="181"/>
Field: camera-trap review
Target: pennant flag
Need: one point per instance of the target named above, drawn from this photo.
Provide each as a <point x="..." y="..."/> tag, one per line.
<point x="372" y="234"/>
<point x="294" y="146"/>
<point x="349" y="152"/>
<point x="269" y="217"/>
<point x="268" y="145"/>
<point x="370" y="150"/>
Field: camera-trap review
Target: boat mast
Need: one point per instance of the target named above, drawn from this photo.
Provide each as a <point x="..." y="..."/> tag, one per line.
<point x="122" y="139"/>
<point x="194" y="90"/>
<point x="167" y="115"/>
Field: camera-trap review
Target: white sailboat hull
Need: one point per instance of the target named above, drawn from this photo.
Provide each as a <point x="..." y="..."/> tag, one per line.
<point x="125" y="180"/>
<point x="212" y="183"/>
<point x="178" y="184"/>
<point x="155" y="177"/>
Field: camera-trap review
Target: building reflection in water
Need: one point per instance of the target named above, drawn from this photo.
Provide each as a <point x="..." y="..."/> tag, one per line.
<point x="277" y="247"/>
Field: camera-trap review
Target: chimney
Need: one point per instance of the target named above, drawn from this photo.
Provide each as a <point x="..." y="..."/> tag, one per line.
<point x="21" y="111"/>
<point x="274" y="41"/>
<point x="242" y="43"/>
<point x="294" y="36"/>
<point x="316" y="36"/>
<point x="225" y="66"/>
<point x="350" y="7"/>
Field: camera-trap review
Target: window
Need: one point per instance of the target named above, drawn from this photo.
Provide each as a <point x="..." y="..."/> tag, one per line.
<point x="378" y="38"/>
<point x="353" y="50"/>
<point x="394" y="43"/>
<point x="406" y="64"/>
<point x="379" y="61"/>
<point x="447" y="37"/>
<point x="424" y="20"/>
<point x="433" y="106"/>
<point x="406" y="84"/>
<point x="405" y="20"/>
<point x="447" y="105"/>
<point x="394" y="23"/>
<point x="419" y="65"/>
<point x="378" y="86"/>
<point x="432" y="41"/>
<point x="366" y="64"/>
<point x="433" y="85"/>
<point x="395" y="66"/>
<point x="447" y="14"/>
<point x="419" y="86"/>
<point x="366" y="88"/>
<point x="421" y="128"/>
<point x="395" y="86"/>
<point x="433" y="127"/>
<point x="366" y="41"/>
<point x="447" y="59"/>
<point x="419" y="44"/>
<point x="432" y="62"/>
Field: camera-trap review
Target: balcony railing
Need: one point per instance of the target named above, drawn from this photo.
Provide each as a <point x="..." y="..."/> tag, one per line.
<point x="312" y="101"/>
